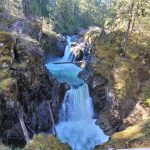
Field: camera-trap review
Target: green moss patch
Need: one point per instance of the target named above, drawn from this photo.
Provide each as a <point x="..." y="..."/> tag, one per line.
<point x="5" y="38"/>
<point x="6" y="83"/>
<point x="123" y="68"/>
<point x="145" y="94"/>
<point x="4" y="73"/>
<point x="5" y="50"/>
<point x="46" y="142"/>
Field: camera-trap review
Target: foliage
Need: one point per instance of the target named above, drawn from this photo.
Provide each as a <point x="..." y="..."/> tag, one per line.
<point x="122" y="69"/>
<point x="5" y="51"/>
<point x="69" y="16"/>
<point x="35" y="8"/>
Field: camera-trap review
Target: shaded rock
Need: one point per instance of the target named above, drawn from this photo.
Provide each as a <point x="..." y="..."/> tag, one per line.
<point x="79" y="50"/>
<point x="15" y="133"/>
<point x="26" y="80"/>
<point x="61" y="42"/>
<point x="42" y="117"/>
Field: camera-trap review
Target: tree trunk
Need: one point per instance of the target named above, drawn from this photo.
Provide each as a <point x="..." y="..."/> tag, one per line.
<point x="3" y="6"/>
<point x="126" y="37"/>
<point x="20" y="113"/>
<point x="25" y="131"/>
<point x="4" y="2"/>
<point x="8" y="8"/>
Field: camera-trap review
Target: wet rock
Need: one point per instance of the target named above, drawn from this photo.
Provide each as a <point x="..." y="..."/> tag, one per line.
<point x="78" y="50"/>
<point x="79" y="55"/>
<point x="86" y="75"/>
<point x="61" y="42"/>
<point x="98" y="81"/>
<point x="43" y="121"/>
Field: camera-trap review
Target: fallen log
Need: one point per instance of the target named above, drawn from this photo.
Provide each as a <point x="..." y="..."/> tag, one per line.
<point x="20" y="114"/>
<point x="52" y="119"/>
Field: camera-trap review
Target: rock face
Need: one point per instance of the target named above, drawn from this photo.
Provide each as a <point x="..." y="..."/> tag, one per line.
<point x="25" y="81"/>
<point x="115" y="82"/>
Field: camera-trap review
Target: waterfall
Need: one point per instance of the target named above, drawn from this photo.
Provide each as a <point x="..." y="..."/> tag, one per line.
<point x="77" y="105"/>
<point x="76" y="123"/>
<point x="68" y="56"/>
<point x="76" y="118"/>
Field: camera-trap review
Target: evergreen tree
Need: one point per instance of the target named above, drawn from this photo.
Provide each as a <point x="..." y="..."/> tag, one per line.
<point x="34" y="7"/>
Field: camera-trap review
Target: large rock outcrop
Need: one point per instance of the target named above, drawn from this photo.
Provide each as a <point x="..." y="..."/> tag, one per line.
<point x="25" y="82"/>
<point x="115" y="80"/>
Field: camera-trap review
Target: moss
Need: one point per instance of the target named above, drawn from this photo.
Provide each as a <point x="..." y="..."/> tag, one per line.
<point x="7" y="21"/>
<point x="46" y="142"/>
<point x="5" y="37"/>
<point x="5" y="83"/>
<point x="122" y="68"/>
<point x="118" y="71"/>
<point x="21" y="65"/>
<point x="6" y="147"/>
<point x="6" y="59"/>
<point x="4" y="73"/>
<point x="145" y="94"/>
<point x="137" y="136"/>
<point x="7" y="40"/>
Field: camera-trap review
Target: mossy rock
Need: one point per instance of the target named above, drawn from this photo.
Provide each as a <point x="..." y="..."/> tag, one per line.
<point x="6" y="38"/>
<point x="4" y="73"/>
<point x="137" y="136"/>
<point x="145" y="94"/>
<point x="5" y="84"/>
<point x="46" y="142"/>
<point x="7" y="41"/>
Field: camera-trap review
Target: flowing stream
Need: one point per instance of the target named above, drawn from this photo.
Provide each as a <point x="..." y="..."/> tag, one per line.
<point x="76" y="122"/>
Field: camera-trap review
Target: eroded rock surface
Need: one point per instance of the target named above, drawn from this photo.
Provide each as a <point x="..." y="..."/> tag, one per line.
<point x="25" y="80"/>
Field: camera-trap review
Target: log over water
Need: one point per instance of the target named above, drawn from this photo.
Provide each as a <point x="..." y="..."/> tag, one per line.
<point x="76" y="62"/>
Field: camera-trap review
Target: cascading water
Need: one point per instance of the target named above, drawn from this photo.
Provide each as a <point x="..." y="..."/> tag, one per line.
<point x="68" y="56"/>
<point x="76" y="122"/>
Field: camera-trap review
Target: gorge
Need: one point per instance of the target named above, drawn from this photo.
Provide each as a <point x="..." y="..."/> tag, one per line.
<point x="74" y="74"/>
<point x="76" y="119"/>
